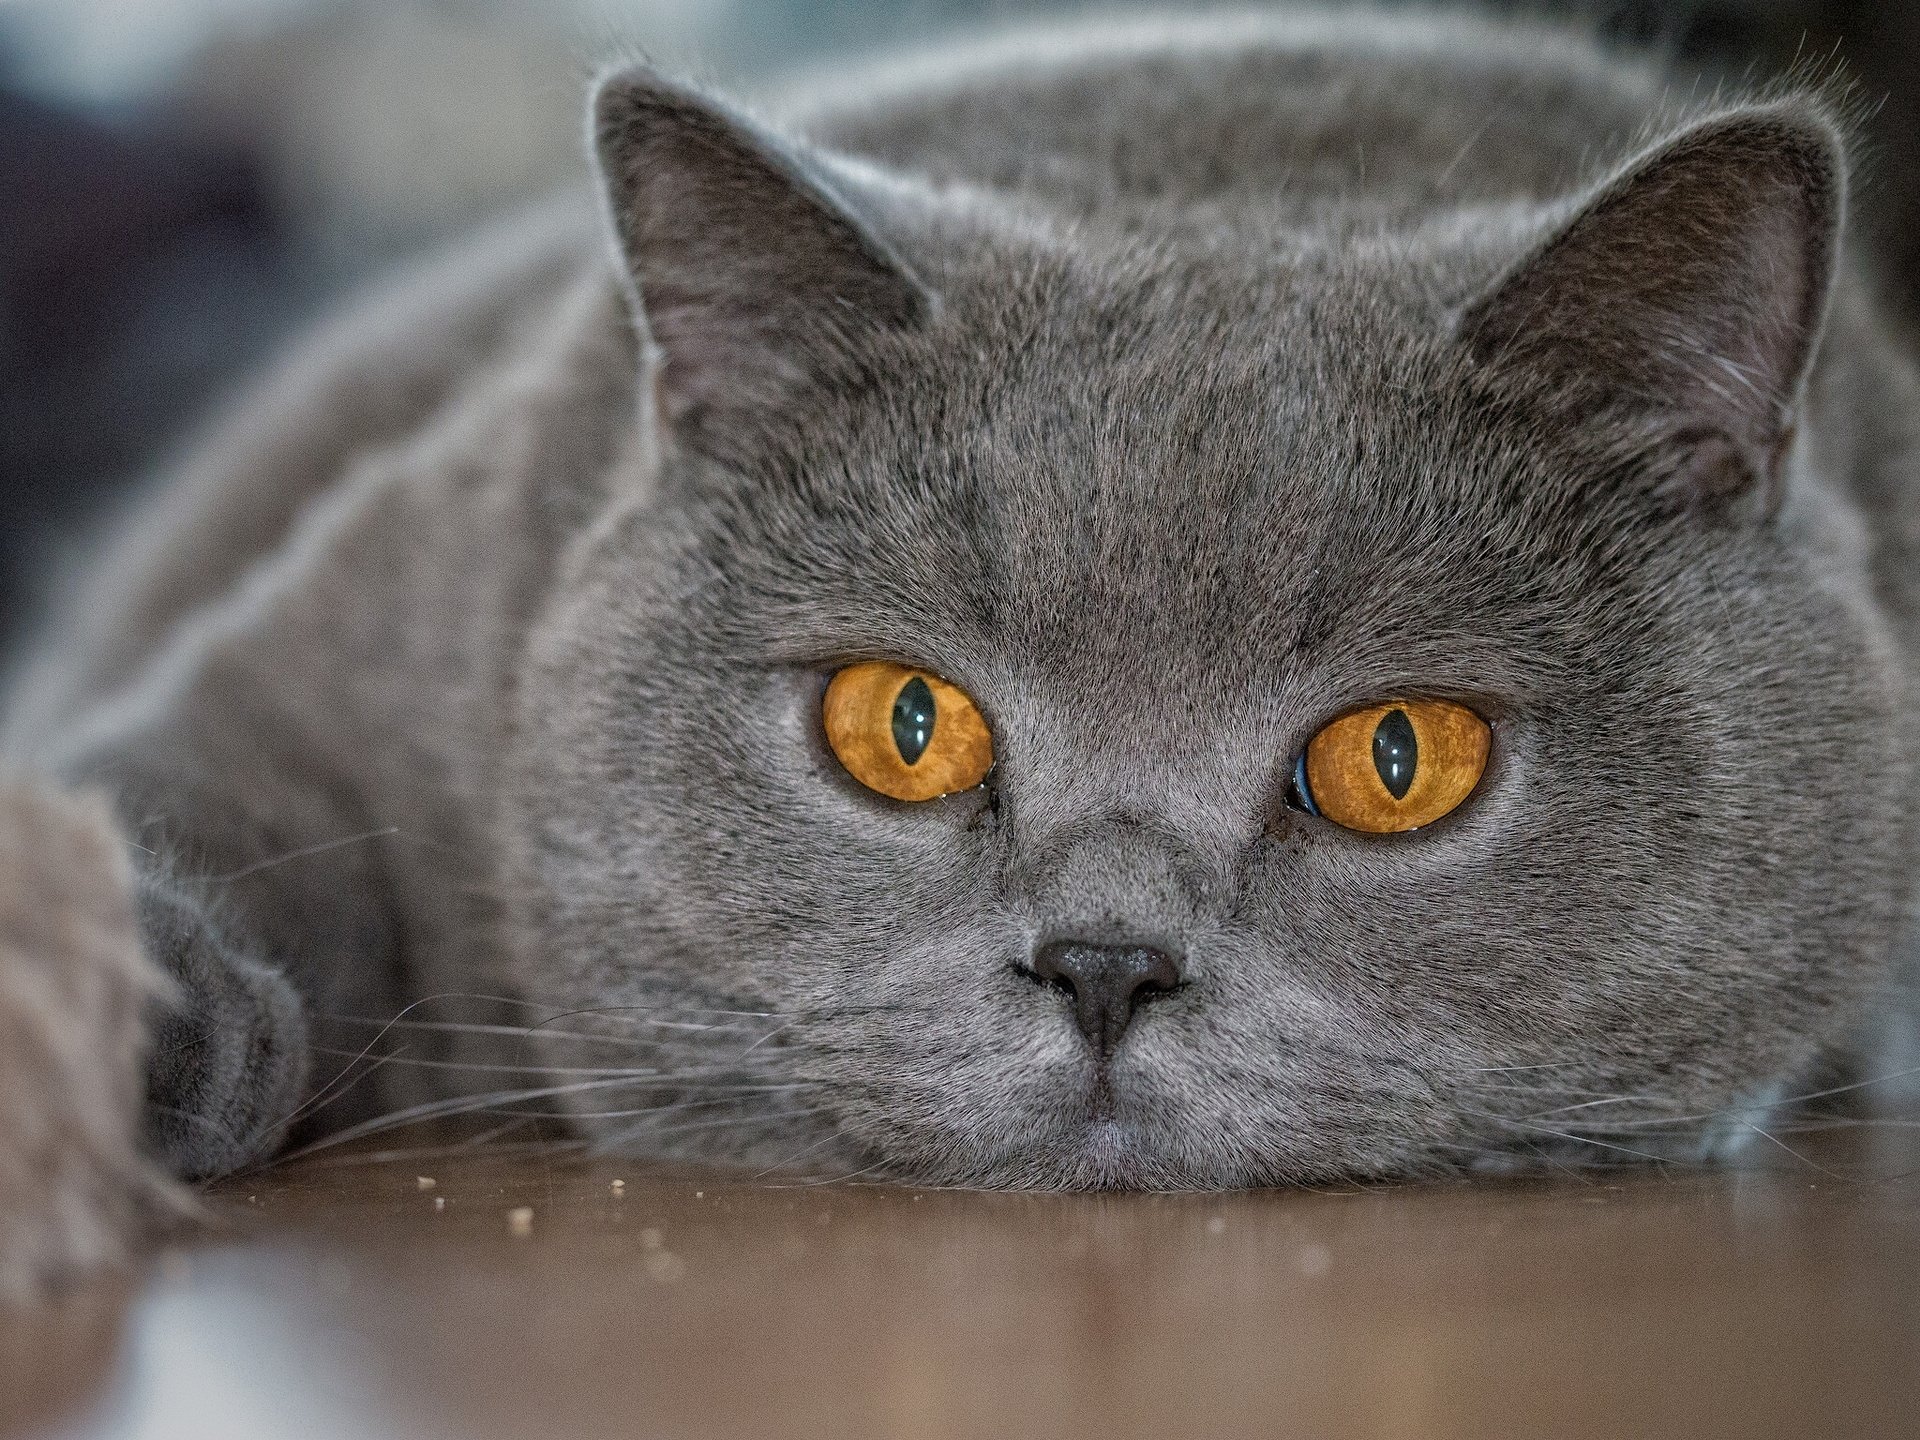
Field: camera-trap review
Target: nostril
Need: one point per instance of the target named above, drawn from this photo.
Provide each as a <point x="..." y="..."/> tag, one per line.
<point x="1047" y="981"/>
<point x="1106" y="984"/>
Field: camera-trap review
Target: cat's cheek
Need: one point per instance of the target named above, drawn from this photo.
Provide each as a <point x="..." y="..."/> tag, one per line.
<point x="948" y="1059"/>
<point x="740" y="769"/>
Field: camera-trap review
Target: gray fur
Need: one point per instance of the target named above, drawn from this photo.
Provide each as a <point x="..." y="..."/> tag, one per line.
<point x="227" y="1053"/>
<point x="74" y="1188"/>
<point x="1172" y="390"/>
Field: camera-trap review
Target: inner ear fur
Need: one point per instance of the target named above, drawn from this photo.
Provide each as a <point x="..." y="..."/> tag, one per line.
<point x="753" y="272"/>
<point x="1691" y="288"/>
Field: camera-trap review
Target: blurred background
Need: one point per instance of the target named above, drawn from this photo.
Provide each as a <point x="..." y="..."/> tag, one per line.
<point x="183" y="182"/>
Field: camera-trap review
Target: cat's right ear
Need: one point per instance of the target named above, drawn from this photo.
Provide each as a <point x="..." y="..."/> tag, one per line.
<point x="755" y="274"/>
<point x="1688" y="294"/>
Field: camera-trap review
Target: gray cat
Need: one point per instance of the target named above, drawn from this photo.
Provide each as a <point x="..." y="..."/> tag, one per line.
<point x="1218" y="603"/>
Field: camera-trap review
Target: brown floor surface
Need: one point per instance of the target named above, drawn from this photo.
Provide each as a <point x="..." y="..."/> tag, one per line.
<point x="349" y="1298"/>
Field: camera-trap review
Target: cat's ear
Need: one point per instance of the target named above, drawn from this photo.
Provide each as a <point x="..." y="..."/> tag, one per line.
<point x="1693" y="288"/>
<point x="753" y="273"/>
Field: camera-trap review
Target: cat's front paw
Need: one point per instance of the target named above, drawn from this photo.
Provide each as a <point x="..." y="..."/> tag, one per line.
<point x="228" y="1062"/>
<point x="75" y="1187"/>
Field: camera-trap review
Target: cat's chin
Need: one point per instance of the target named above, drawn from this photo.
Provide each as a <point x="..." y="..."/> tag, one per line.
<point x="1092" y="1151"/>
<point x="1111" y="1158"/>
<point x="1106" y="1152"/>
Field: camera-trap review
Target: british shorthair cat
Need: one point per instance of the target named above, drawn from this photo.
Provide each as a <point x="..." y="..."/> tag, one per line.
<point x="1202" y="603"/>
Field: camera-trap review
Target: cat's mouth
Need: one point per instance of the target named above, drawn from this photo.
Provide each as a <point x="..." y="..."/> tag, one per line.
<point x="1108" y="1147"/>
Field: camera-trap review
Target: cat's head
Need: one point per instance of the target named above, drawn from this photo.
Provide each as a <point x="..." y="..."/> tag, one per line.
<point x="1157" y="510"/>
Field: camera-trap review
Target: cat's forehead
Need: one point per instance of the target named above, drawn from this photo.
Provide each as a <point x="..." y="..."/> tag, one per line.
<point x="1262" y="385"/>
<point x="1203" y="425"/>
<point x="1176" y="486"/>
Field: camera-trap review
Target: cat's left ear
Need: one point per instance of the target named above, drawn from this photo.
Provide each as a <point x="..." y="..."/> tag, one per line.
<point x="1692" y="288"/>
<point x="757" y="271"/>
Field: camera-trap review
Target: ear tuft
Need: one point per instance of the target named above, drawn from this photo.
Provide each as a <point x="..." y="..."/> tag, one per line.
<point x="754" y="275"/>
<point x="1693" y="285"/>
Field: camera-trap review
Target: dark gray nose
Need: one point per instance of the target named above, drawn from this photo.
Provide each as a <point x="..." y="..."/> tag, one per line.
<point x="1107" y="983"/>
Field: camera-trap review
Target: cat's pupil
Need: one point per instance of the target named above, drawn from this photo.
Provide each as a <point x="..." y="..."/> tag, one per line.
<point x="1395" y="752"/>
<point x="913" y="715"/>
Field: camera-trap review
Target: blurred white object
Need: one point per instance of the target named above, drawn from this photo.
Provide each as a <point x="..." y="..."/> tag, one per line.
<point x="380" y="123"/>
<point x="108" y="50"/>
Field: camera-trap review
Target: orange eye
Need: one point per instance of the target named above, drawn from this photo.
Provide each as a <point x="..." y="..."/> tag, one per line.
<point x="1396" y="766"/>
<point x="906" y="733"/>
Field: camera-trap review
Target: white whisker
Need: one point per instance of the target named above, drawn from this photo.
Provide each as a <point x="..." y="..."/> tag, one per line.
<point x="449" y="1108"/>
<point x="303" y="853"/>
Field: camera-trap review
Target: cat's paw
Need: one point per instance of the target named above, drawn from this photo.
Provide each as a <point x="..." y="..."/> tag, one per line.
<point x="75" y="1188"/>
<point x="228" y="1062"/>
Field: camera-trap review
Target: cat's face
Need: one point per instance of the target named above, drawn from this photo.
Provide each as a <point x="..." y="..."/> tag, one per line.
<point x="1163" y="520"/>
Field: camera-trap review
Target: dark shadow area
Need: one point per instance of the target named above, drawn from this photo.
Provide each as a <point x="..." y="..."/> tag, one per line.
<point x="140" y="268"/>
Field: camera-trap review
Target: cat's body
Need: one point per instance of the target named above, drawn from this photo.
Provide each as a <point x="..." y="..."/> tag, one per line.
<point x="1173" y="390"/>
